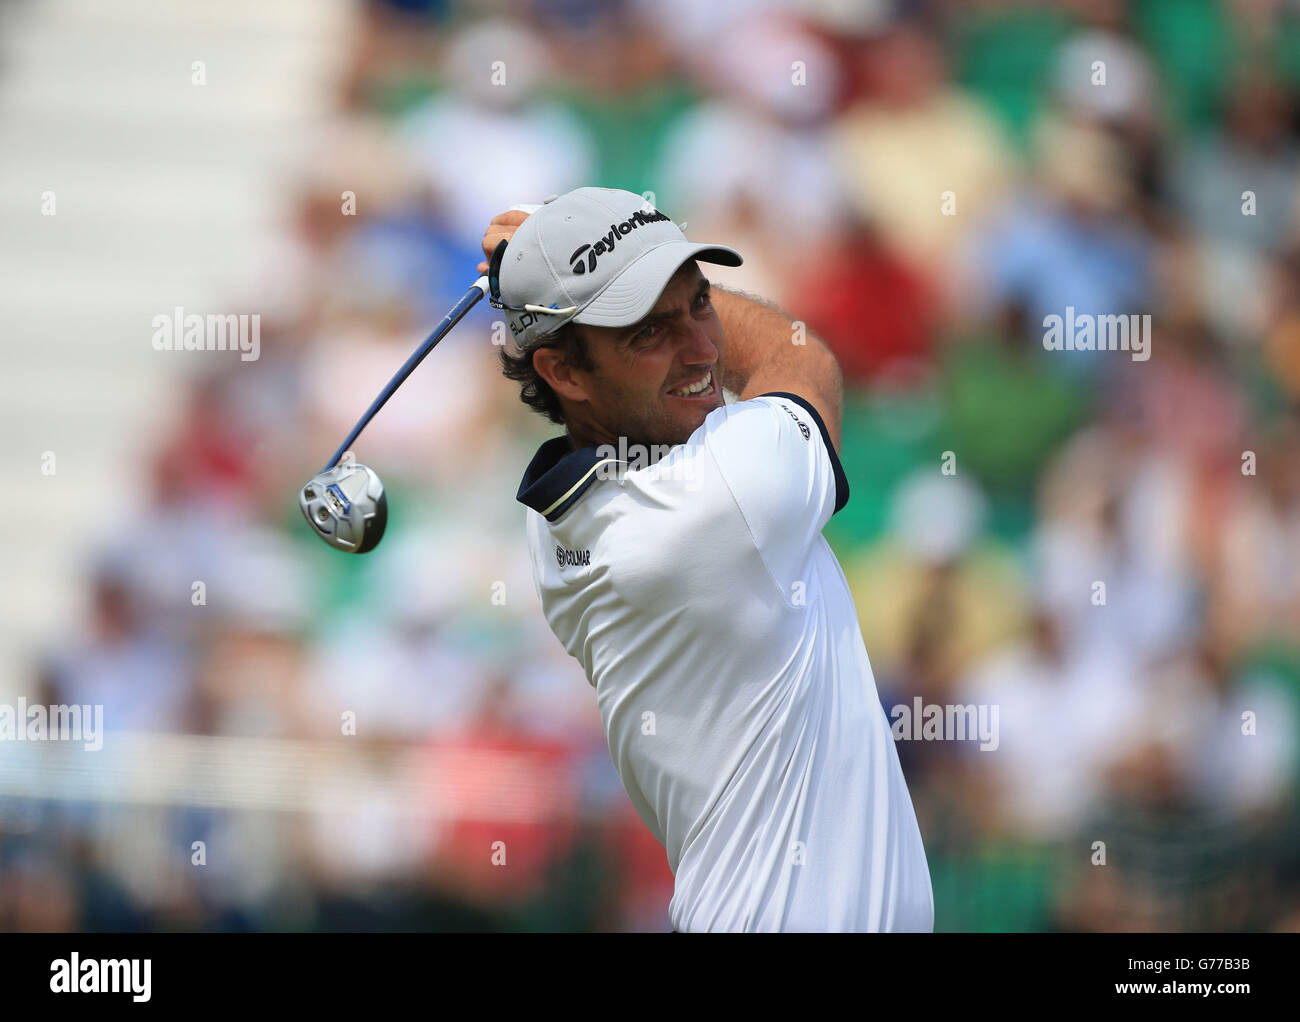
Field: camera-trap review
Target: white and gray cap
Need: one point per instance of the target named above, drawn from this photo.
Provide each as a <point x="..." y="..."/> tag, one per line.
<point x="597" y="256"/>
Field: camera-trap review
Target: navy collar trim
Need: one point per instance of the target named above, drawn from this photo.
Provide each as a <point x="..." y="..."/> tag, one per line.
<point x="558" y="476"/>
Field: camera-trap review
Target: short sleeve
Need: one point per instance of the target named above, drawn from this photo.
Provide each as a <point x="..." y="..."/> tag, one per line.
<point x="777" y="459"/>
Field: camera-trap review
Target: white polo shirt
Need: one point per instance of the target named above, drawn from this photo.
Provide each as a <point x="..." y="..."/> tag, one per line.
<point x="718" y="631"/>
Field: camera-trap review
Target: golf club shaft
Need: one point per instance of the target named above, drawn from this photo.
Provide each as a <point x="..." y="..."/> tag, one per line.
<point x="476" y="291"/>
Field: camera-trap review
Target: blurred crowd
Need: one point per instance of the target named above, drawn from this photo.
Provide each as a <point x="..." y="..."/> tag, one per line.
<point x="1106" y="550"/>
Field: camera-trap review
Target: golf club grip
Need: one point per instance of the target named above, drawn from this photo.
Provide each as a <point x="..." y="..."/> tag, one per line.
<point x="476" y="291"/>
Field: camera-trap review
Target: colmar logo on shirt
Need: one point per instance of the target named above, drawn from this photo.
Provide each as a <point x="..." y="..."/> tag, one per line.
<point x="572" y="558"/>
<point x="807" y="433"/>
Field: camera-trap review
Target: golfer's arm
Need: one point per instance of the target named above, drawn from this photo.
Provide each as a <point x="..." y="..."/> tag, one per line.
<point x="765" y="352"/>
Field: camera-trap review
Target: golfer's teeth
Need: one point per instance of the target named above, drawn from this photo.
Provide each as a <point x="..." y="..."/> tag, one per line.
<point x="695" y="388"/>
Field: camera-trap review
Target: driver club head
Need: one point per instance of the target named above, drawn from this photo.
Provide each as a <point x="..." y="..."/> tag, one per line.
<point x="346" y="506"/>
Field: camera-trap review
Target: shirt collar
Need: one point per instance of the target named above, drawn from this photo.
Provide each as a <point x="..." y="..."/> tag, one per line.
<point x="557" y="476"/>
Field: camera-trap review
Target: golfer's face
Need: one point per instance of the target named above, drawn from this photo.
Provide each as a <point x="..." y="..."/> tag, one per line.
<point x="654" y="382"/>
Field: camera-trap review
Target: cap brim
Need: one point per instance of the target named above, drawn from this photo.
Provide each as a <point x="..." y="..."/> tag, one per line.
<point x="630" y="296"/>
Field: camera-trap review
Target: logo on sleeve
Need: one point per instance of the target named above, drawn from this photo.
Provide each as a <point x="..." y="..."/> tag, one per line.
<point x="572" y="558"/>
<point x="807" y="433"/>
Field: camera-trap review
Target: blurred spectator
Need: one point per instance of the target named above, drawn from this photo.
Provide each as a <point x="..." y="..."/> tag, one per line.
<point x="873" y="310"/>
<point x="490" y="140"/>
<point x="1259" y="556"/>
<point x="1065" y="715"/>
<point x="1282" y="341"/>
<point x="913" y="139"/>
<point x="1004" y="53"/>
<point x="1004" y="408"/>
<point x="758" y="153"/>
<point x="1110" y="551"/>
<point x="142" y="681"/>
<point x="1240" y="188"/>
<point x="1069" y="242"/>
<point x="1252" y="151"/>
<point x="617" y="75"/>
<point x="935" y="538"/>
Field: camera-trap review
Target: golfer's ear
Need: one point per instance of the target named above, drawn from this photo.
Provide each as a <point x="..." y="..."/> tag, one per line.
<point x="559" y="375"/>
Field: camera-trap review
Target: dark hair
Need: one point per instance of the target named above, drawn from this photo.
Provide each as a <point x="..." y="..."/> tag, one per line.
<point x="535" y="392"/>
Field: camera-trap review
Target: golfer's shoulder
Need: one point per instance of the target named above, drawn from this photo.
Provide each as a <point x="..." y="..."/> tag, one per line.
<point x="734" y="440"/>
<point x="771" y="432"/>
<point x="766" y="417"/>
<point x="776" y="457"/>
<point x="758" y="465"/>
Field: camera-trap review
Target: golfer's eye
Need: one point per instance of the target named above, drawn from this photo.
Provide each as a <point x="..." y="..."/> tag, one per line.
<point x="703" y="300"/>
<point x="646" y="333"/>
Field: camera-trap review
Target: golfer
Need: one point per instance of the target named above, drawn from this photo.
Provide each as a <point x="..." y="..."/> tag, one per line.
<point x="677" y="551"/>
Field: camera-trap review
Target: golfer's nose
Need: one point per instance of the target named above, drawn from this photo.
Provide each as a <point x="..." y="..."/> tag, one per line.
<point x="697" y="347"/>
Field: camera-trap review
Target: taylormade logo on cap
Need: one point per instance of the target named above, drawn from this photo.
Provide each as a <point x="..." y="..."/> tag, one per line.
<point x="606" y="244"/>
<point x="604" y="252"/>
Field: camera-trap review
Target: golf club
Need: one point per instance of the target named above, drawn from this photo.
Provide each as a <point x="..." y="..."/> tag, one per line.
<point x="345" y="501"/>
